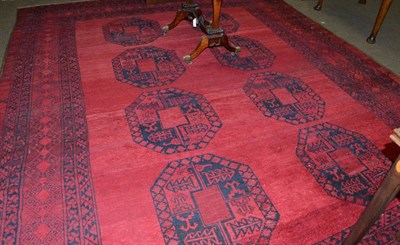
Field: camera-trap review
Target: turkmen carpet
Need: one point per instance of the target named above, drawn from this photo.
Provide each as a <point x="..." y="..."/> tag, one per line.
<point x="107" y="136"/>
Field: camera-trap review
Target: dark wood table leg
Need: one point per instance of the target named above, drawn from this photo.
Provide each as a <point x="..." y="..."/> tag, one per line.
<point x="215" y="26"/>
<point x="384" y="195"/>
<point x="188" y="11"/>
<point x="203" y="44"/>
<point x="214" y="37"/>
<point x="385" y="5"/>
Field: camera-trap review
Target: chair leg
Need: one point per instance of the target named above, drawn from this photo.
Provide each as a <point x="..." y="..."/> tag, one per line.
<point x="379" y="19"/>
<point x="319" y="5"/>
<point x="383" y="196"/>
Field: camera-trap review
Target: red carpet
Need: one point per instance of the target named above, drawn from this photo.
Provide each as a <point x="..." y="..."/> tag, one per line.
<point x="108" y="137"/>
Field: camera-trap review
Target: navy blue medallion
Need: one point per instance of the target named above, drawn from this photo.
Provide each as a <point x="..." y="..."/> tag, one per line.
<point x="148" y="67"/>
<point x="284" y="98"/>
<point x="169" y="121"/>
<point x="252" y="56"/>
<point x="132" y="31"/>
<point x="207" y="199"/>
<point x="346" y="164"/>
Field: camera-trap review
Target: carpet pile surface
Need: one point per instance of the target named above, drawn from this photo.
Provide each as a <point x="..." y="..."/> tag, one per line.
<point x="108" y="137"/>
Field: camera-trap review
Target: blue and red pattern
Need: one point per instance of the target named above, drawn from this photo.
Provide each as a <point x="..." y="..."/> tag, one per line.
<point x="384" y="231"/>
<point x="15" y="142"/>
<point x="351" y="70"/>
<point x="148" y="67"/>
<point x="353" y="73"/>
<point x="132" y="31"/>
<point x="207" y="199"/>
<point x="43" y="168"/>
<point x="252" y="56"/>
<point x="47" y="194"/>
<point x="81" y="222"/>
<point x="171" y="120"/>
<point x="346" y="164"/>
<point x="284" y="98"/>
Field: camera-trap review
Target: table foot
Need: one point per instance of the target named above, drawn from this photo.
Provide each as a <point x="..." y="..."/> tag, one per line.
<point x="237" y="50"/>
<point x="187" y="59"/>
<point x="225" y="42"/>
<point x="165" y="29"/>
<point x="181" y="14"/>
<point x="371" y="39"/>
<point x="203" y="44"/>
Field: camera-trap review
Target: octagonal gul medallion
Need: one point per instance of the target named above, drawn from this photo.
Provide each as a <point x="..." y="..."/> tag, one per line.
<point x="346" y="164"/>
<point x="169" y="121"/>
<point x="132" y="31"/>
<point x="252" y="56"/>
<point x="284" y="98"/>
<point x="148" y="67"/>
<point x="207" y="199"/>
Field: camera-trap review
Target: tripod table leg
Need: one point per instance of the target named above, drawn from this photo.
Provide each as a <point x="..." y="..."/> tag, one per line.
<point x="203" y="44"/>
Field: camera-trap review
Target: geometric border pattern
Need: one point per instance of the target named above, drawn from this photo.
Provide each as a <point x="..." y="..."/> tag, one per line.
<point x="383" y="231"/>
<point x="75" y="221"/>
<point x="80" y="211"/>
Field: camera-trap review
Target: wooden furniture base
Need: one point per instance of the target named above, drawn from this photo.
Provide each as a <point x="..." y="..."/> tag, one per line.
<point x="214" y="37"/>
<point x="389" y="188"/>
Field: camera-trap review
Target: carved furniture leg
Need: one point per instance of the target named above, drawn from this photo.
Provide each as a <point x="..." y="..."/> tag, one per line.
<point x="203" y="44"/>
<point x="379" y="19"/>
<point x="180" y="15"/>
<point x="384" y="195"/>
<point x="187" y="12"/>
<point x="225" y="42"/>
<point x="215" y="36"/>
<point x="215" y="25"/>
<point x="210" y="39"/>
<point x="216" y="13"/>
